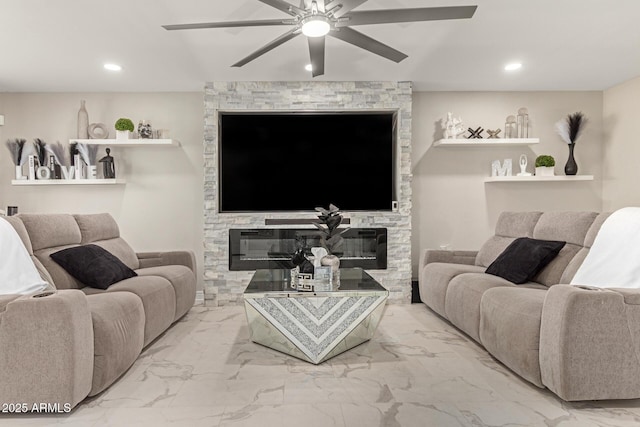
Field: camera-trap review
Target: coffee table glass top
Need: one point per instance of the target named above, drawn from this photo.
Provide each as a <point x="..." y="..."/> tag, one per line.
<point x="279" y="281"/>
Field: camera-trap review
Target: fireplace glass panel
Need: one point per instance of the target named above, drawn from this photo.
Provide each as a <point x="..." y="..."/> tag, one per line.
<point x="272" y="248"/>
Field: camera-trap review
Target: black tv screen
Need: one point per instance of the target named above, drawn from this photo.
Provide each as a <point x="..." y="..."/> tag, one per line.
<point x="297" y="161"/>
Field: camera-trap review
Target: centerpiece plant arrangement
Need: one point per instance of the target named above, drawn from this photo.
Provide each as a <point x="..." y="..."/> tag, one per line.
<point x="545" y="165"/>
<point x="570" y="129"/>
<point x="330" y="234"/>
<point x="123" y="127"/>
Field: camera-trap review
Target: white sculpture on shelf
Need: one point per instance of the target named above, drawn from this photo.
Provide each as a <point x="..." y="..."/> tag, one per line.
<point x="452" y="126"/>
<point x="501" y="170"/>
<point x="523" y="166"/>
<point x="318" y="253"/>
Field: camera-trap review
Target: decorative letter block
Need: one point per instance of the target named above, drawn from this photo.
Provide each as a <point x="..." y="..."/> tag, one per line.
<point x="501" y="170"/>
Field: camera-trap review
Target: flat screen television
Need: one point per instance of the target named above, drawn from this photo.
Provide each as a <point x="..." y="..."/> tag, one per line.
<point x="296" y="161"/>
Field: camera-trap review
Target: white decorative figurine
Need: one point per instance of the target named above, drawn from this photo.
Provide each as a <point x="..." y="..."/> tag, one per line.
<point x="452" y="126"/>
<point x="523" y="166"/>
<point x="318" y="253"/>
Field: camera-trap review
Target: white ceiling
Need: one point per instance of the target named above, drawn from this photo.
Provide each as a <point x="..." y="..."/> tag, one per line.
<point x="563" y="44"/>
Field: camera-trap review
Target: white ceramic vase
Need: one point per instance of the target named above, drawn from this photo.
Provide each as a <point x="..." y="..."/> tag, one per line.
<point x="545" y="171"/>
<point x="122" y="135"/>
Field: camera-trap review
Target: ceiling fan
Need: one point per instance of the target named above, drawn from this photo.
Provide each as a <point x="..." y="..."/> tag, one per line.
<point x="319" y="18"/>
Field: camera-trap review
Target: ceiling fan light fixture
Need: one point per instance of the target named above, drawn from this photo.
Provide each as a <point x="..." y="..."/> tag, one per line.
<point x="315" y="26"/>
<point x="513" y="66"/>
<point x="308" y="67"/>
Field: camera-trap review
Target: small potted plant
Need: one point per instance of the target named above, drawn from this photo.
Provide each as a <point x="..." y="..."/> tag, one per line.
<point x="123" y="128"/>
<point x="545" y="165"/>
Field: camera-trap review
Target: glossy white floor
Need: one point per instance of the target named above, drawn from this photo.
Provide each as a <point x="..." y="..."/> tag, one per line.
<point x="417" y="371"/>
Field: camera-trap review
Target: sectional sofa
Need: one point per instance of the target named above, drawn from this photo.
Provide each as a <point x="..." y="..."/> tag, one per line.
<point x="581" y="343"/>
<point x="62" y="347"/>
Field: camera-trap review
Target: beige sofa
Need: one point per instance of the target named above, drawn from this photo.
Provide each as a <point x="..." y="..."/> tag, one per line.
<point x="64" y="347"/>
<point x="581" y="343"/>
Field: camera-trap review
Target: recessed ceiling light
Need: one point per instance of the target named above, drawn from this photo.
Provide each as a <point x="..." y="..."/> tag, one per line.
<point x="513" y="66"/>
<point x="112" y="67"/>
<point x="308" y="67"/>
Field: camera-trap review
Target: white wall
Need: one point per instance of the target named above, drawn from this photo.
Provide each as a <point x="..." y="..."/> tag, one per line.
<point x="451" y="203"/>
<point x="621" y="113"/>
<point x="160" y="207"/>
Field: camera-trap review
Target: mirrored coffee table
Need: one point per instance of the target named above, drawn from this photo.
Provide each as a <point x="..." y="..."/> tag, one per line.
<point x="313" y="326"/>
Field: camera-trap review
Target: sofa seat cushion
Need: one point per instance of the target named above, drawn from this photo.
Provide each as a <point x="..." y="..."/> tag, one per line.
<point x="462" y="304"/>
<point x="183" y="281"/>
<point x="435" y="278"/>
<point x="510" y="328"/>
<point x="118" y="333"/>
<point x="158" y="299"/>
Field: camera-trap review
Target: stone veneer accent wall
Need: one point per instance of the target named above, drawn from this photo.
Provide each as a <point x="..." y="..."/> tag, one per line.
<point x="222" y="286"/>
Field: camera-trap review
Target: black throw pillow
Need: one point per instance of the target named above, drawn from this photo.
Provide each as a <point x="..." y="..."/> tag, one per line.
<point x="524" y="258"/>
<point x="93" y="266"/>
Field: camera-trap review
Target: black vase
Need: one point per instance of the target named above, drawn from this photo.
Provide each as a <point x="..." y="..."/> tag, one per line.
<point x="571" y="168"/>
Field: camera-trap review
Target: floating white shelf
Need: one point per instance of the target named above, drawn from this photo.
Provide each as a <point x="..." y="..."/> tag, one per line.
<point x="67" y="181"/>
<point x="498" y="142"/>
<point x="129" y="142"/>
<point x="538" y="178"/>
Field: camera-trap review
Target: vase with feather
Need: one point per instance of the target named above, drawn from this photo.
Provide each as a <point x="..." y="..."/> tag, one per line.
<point x="571" y="168"/>
<point x="19" y="154"/>
<point x="569" y="130"/>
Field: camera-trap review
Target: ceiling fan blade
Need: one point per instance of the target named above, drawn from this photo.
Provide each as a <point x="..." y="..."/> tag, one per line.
<point x="230" y="24"/>
<point x="345" y="6"/>
<point x="284" y="6"/>
<point x="367" y="43"/>
<point x="367" y="17"/>
<point x="271" y="45"/>
<point x="316" y="52"/>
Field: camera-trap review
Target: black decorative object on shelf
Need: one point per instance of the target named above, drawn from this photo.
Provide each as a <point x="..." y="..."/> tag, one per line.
<point x="298" y="257"/>
<point x="108" y="166"/>
<point x="571" y="167"/>
<point x="570" y="130"/>
<point x="475" y="133"/>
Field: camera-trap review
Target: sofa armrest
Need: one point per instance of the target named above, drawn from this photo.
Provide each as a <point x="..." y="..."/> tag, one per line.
<point x="590" y="343"/>
<point x="46" y="349"/>
<point x="451" y="257"/>
<point x="155" y="259"/>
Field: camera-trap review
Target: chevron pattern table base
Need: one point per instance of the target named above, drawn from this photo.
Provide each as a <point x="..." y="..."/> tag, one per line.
<point x="312" y="326"/>
<point x="313" y="329"/>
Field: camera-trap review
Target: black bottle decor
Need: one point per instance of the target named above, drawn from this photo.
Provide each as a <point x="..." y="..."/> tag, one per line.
<point x="571" y="168"/>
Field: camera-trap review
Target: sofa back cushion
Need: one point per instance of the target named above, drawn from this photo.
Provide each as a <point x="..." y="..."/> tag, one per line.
<point x="510" y="225"/>
<point x="570" y="227"/>
<point x="577" y="260"/>
<point x="50" y="233"/>
<point x="102" y="230"/>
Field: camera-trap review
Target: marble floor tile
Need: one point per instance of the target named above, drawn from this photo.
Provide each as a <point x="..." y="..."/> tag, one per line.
<point x="418" y="370"/>
<point x="396" y="414"/>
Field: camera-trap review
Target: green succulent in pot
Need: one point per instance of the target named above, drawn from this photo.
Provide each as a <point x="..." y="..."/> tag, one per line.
<point x="545" y="161"/>
<point x="124" y="124"/>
